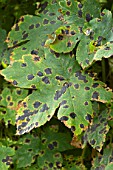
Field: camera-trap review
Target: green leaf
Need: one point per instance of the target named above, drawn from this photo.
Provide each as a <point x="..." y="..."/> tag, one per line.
<point x="64" y="85"/>
<point x="104" y="161"/>
<point x="9" y="101"/>
<point x="28" y="148"/>
<point x="91" y="9"/>
<point x="97" y="40"/>
<point x="73" y="163"/>
<point x="29" y="35"/>
<point x="5" y="157"/>
<point x="95" y="135"/>
<point x="66" y="39"/>
<point x="52" y="143"/>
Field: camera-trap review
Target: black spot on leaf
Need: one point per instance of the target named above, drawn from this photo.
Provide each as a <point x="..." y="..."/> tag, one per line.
<point x="66" y="31"/>
<point x="37" y="104"/>
<point x="66" y="106"/>
<point x="73" y="128"/>
<point x="8" y="98"/>
<point x="33" y="86"/>
<point x="92" y="142"/>
<point x="52" y="22"/>
<point x="87" y="61"/>
<point x="76" y="86"/>
<point x="16" y="27"/>
<point x="31" y="26"/>
<point x="15" y="42"/>
<point x="51" y="14"/>
<point x="23" y="48"/>
<point x="73" y="115"/>
<point x="88" y="17"/>
<point x="18" y="92"/>
<point x="44" y="108"/>
<point x="86" y="103"/>
<point x="63" y="102"/>
<point x="36" y="123"/>
<point x="25" y="36"/>
<point x="64" y="118"/>
<point x="69" y="44"/>
<point x="30" y="76"/>
<point x="95" y="85"/>
<point x="0" y="98"/>
<point x="50" y="146"/>
<point x="37" y="25"/>
<point x="107" y="48"/>
<point x="34" y="52"/>
<point x="50" y="165"/>
<point x="80" y="14"/>
<point x="36" y="58"/>
<point x="81" y="125"/>
<point x="67" y="13"/>
<point x="80" y="5"/>
<point x="15" y="82"/>
<point x="11" y="104"/>
<point x="40" y="74"/>
<point x="60" y="78"/>
<point x="48" y="71"/>
<point x="55" y="143"/>
<point x="88" y="117"/>
<point x="72" y="32"/>
<point x="45" y="21"/>
<point x="23" y="65"/>
<point x="95" y="95"/>
<point x="60" y="37"/>
<point x="68" y="3"/>
<point x="46" y="80"/>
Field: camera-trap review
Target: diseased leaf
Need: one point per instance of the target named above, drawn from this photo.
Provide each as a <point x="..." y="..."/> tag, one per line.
<point x="44" y="149"/>
<point x="66" y="39"/>
<point x="26" y="151"/>
<point x="97" y="40"/>
<point x="5" y="157"/>
<point x="73" y="162"/>
<point x="52" y="143"/>
<point x="29" y="35"/>
<point x="104" y="161"/>
<point x="9" y="101"/>
<point x="95" y="135"/>
<point x="91" y="9"/>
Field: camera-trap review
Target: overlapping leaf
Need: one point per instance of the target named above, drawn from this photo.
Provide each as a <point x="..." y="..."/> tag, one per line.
<point x="3" y="45"/>
<point x="73" y="162"/>
<point x="47" y="148"/>
<point x="9" y="101"/>
<point x="95" y="135"/>
<point x="104" y="161"/>
<point x="29" y="35"/>
<point x="5" y="157"/>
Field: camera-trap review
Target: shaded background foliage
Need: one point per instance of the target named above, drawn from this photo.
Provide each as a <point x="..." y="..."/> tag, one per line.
<point x="49" y="146"/>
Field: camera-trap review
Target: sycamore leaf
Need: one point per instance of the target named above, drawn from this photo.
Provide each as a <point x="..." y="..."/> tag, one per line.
<point x="59" y="85"/>
<point x="66" y="39"/>
<point x="29" y="146"/>
<point x="5" y="157"/>
<point x="29" y="35"/>
<point x="95" y="135"/>
<point x="52" y="143"/>
<point x="104" y="161"/>
<point x="47" y="147"/>
<point x="72" y="162"/>
<point x="9" y="100"/>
